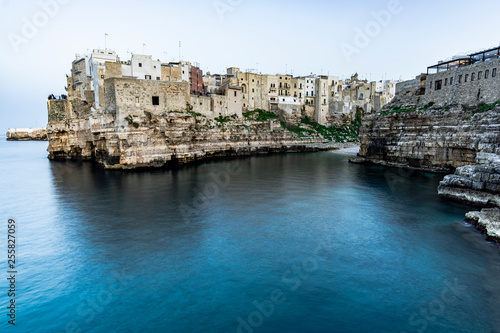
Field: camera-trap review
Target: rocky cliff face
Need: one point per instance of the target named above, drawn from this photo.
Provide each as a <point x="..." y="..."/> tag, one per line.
<point x="176" y="138"/>
<point x="437" y="140"/>
<point x="27" y="134"/>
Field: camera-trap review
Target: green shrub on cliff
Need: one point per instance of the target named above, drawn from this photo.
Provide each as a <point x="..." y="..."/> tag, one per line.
<point x="398" y="109"/>
<point x="337" y="133"/>
<point x="259" y="115"/>
<point x="223" y="120"/>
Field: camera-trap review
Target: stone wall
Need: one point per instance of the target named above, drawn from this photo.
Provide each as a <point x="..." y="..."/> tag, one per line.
<point x="469" y="85"/>
<point x="58" y="109"/>
<point x="113" y="69"/>
<point x="171" y="73"/>
<point x="202" y="104"/>
<point x="133" y="97"/>
<point x="477" y="89"/>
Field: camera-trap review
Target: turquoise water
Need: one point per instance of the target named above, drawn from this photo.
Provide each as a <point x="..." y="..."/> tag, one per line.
<point x="282" y="243"/>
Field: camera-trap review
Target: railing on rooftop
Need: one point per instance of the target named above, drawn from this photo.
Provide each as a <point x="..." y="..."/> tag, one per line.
<point x="471" y="59"/>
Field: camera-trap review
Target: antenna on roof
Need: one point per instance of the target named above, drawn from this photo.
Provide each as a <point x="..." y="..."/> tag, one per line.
<point x="143" y="45"/>
<point x="105" y="41"/>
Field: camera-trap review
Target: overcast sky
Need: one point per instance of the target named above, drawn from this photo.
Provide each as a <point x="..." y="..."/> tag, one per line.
<point x="378" y="39"/>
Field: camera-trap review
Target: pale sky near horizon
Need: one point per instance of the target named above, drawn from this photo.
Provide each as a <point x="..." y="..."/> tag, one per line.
<point x="271" y="36"/>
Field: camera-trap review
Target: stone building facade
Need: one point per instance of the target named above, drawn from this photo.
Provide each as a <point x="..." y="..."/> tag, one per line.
<point x="142" y="84"/>
<point x="470" y="80"/>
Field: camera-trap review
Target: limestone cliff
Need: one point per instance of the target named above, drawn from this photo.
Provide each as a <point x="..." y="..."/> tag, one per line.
<point x="437" y="140"/>
<point x="27" y="134"/>
<point x="170" y="138"/>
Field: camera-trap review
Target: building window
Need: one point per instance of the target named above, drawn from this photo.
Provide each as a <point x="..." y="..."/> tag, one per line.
<point x="140" y="64"/>
<point x="445" y="82"/>
<point x="473" y="76"/>
<point x="494" y="72"/>
<point x="102" y="76"/>
<point x="439" y="84"/>
<point x="158" y="78"/>
<point x="253" y="90"/>
<point x="235" y="94"/>
<point x="137" y="100"/>
<point x="451" y="81"/>
<point x="307" y="93"/>
<point x="324" y="101"/>
<point x="147" y="77"/>
<point x="156" y="100"/>
<point x="430" y="85"/>
<point x="460" y="79"/>
<point x="154" y="67"/>
<point x="466" y="77"/>
<point x="487" y="74"/>
<point x="480" y="75"/>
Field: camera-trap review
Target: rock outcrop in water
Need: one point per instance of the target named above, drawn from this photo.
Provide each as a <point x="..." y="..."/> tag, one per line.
<point x="476" y="184"/>
<point x="27" y="134"/>
<point x="488" y="221"/>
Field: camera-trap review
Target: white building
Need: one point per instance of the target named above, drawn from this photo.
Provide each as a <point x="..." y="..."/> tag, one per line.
<point x="98" y="70"/>
<point x="144" y="67"/>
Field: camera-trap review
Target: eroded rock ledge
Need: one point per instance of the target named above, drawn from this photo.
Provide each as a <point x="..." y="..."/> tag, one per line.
<point x="478" y="185"/>
<point x="475" y="184"/>
<point x="488" y="221"/>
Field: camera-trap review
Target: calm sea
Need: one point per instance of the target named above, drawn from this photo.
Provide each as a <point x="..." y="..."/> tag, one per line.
<point x="281" y="243"/>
